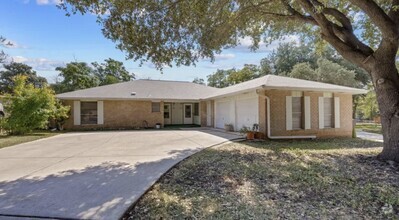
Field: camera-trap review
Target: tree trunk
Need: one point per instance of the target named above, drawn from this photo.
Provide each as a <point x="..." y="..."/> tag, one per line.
<point x="386" y="83"/>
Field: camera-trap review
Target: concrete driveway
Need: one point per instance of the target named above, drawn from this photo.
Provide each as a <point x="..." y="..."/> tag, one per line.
<point x="92" y="175"/>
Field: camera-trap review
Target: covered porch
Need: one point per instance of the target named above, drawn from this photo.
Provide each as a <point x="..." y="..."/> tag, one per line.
<point x="181" y="113"/>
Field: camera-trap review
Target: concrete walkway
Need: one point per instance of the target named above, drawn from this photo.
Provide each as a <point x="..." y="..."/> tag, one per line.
<point x="93" y="175"/>
<point x="369" y="136"/>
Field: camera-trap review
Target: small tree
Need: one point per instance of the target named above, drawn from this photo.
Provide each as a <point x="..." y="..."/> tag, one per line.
<point x="28" y="107"/>
<point x="60" y="114"/>
<point x="368" y="104"/>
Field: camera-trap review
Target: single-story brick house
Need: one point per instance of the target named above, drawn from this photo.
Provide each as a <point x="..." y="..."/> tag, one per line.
<point x="282" y="107"/>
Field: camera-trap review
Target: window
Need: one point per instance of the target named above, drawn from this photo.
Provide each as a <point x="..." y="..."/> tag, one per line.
<point x="166" y="114"/>
<point x="328" y="112"/>
<point x="88" y="113"/>
<point x="156" y="107"/>
<point x="297" y="113"/>
<point x="297" y="110"/>
<point x="196" y="109"/>
<point x="187" y="111"/>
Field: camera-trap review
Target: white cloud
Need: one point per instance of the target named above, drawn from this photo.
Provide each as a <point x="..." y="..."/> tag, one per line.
<point x="225" y="56"/>
<point x="246" y="43"/>
<point x="48" y="2"/>
<point x="39" y="64"/>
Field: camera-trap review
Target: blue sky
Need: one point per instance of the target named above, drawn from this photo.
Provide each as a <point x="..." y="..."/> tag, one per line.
<point x="44" y="38"/>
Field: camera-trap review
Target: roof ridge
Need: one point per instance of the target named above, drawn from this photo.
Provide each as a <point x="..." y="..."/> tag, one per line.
<point x="162" y="80"/>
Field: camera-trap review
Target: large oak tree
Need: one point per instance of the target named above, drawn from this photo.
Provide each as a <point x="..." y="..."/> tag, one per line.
<point x="365" y="32"/>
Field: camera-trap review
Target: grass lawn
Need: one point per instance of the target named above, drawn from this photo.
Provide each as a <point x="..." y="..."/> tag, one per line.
<point x="9" y="140"/>
<point x="370" y="127"/>
<point x="322" y="179"/>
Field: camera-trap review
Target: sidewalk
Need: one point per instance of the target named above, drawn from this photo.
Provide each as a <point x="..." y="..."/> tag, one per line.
<point x="369" y="136"/>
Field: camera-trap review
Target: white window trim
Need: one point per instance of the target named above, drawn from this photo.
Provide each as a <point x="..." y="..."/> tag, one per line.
<point x="76" y="112"/>
<point x="337" y="113"/>
<point x="100" y="112"/>
<point x="288" y="112"/>
<point x="307" y="113"/>
<point x="321" y="112"/>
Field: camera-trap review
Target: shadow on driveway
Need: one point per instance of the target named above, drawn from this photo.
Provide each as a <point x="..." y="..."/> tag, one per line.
<point x="60" y="195"/>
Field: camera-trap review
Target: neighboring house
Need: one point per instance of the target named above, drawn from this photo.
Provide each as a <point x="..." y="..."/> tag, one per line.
<point x="297" y="108"/>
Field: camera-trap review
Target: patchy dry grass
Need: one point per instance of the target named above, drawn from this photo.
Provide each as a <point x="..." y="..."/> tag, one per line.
<point x="10" y="140"/>
<point x="370" y="127"/>
<point x="323" y="179"/>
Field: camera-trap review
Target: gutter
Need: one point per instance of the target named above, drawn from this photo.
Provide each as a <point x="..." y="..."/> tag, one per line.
<point x="268" y="124"/>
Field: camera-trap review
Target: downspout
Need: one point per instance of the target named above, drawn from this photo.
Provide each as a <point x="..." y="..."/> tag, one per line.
<point x="268" y="124"/>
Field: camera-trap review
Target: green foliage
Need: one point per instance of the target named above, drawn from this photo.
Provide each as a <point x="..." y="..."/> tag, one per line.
<point x="303" y="71"/>
<point x="224" y="78"/>
<point x="75" y="76"/>
<point x="199" y="81"/>
<point x="327" y="72"/>
<point x="13" y="69"/>
<point x="284" y="58"/>
<point x="111" y="71"/>
<point x="28" y="107"/>
<point x="3" y="56"/>
<point x="330" y="72"/>
<point x="79" y="75"/>
<point x="59" y="114"/>
<point x="249" y="72"/>
<point x="287" y="55"/>
<point x="368" y="107"/>
<point x="219" y="78"/>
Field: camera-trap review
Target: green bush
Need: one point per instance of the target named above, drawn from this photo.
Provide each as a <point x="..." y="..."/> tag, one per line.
<point x="28" y="108"/>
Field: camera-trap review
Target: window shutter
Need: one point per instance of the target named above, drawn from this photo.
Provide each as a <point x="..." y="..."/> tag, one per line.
<point x="288" y="112"/>
<point x="307" y="112"/>
<point x="100" y="112"/>
<point x="337" y="113"/>
<point x="321" y="112"/>
<point x="76" y="112"/>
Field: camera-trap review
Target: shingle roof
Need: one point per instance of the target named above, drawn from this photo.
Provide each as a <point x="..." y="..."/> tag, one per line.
<point x="283" y="83"/>
<point x="144" y="90"/>
<point x="178" y="90"/>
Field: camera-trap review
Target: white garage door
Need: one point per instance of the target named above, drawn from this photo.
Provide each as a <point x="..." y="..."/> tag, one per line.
<point x="222" y="115"/>
<point x="247" y="112"/>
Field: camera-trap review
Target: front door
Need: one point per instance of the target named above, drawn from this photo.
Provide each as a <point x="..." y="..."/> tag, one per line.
<point x="177" y="113"/>
<point x="188" y="114"/>
<point x="167" y="114"/>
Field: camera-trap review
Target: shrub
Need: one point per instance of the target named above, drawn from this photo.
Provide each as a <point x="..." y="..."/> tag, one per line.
<point x="28" y="108"/>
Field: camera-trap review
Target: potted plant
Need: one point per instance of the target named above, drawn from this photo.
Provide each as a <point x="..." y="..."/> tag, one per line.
<point x="158" y="125"/>
<point x="250" y="135"/>
<point x="255" y="129"/>
<point x="228" y="127"/>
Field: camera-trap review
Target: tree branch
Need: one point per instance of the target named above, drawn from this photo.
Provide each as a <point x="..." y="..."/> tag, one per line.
<point x="343" y="40"/>
<point x="341" y="18"/>
<point x="394" y="11"/>
<point x="378" y="16"/>
<point x="298" y="16"/>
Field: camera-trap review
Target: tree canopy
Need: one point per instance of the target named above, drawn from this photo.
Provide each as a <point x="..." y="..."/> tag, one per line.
<point x="14" y="69"/>
<point x="80" y="75"/>
<point x="168" y="31"/>
<point x="75" y="75"/>
<point x="111" y="71"/>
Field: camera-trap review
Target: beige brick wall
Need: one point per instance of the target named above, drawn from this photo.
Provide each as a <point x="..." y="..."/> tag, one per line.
<point x="278" y="116"/>
<point x="122" y="114"/>
<point x="203" y="113"/>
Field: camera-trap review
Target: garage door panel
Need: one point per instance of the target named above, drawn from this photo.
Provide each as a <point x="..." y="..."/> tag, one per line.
<point x="222" y="115"/>
<point x="247" y="112"/>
